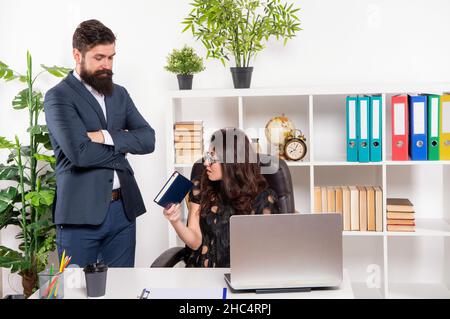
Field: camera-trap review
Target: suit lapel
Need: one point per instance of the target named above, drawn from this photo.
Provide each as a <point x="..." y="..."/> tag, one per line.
<point x="81" y="90"/>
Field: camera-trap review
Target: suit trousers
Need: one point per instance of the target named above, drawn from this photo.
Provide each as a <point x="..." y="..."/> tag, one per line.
<point x="113" y="241"/>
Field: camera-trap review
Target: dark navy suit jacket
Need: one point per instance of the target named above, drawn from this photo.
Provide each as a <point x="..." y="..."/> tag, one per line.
<point x="84" y="170"/>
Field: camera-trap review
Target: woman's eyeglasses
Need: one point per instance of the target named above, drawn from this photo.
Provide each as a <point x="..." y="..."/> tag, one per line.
<point x="210" y="158"/>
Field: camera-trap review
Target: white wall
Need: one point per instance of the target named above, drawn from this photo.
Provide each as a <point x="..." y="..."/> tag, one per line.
<point x="345" y="42"/>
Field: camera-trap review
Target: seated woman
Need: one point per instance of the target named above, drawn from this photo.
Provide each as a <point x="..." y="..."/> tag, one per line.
<point x="231" y="184"/>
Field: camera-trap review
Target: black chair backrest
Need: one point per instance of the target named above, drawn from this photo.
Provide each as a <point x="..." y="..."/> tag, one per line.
<point x="278" y="178"/>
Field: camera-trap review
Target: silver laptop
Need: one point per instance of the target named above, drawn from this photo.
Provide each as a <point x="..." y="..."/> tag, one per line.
<point x="285" y="251"/>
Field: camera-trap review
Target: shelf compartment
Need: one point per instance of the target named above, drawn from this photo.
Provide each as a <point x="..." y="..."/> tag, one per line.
<point x="423" y="185"/>
<point x="417" y="267"/>
<point x="388" y="118"/>
<point x="257" y="111"/>
<point x="216" y="113"/>
<point x="364" y="259"/>
<point x="329" y="122"/>
<point x="330" y="143"/>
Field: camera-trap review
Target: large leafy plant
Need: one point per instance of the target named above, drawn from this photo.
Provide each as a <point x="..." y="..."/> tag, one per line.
<point x="29" y="170"/>
<point x="240" y="27"/>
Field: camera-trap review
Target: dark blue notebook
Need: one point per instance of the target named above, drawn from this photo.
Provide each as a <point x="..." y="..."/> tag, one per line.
<point x="174" y="190"/>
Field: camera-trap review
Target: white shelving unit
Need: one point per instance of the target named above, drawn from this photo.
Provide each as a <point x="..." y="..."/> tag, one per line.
<point x="381" y="264"/>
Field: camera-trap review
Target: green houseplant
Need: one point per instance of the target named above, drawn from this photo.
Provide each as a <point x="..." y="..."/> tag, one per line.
<point x="184" y="63"/>
<point x="30" y="171"/>
<point x="240" y="28"/>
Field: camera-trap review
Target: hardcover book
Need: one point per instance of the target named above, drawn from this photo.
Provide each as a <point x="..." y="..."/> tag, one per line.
<point x="173" y="191"/>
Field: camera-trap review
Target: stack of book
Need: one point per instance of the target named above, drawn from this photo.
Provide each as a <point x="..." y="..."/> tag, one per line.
<point x="361" y="206"/>
<point x="188" y="141"/>
<point x="400" y="215"/>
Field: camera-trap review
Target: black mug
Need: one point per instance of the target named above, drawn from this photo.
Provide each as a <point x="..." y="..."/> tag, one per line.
<point x="95" y="279"/>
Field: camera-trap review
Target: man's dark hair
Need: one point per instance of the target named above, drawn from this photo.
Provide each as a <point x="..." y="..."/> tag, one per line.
<point x="91" y="33"/>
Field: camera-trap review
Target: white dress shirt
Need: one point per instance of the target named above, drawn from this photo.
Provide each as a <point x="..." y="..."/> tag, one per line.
<point x="101" y="100"/>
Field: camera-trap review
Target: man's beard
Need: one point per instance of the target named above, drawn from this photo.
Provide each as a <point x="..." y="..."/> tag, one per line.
<point x="100" y="80"/>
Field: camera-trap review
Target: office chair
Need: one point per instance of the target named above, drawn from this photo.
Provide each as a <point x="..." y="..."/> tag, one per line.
<point x="280" y="182"/>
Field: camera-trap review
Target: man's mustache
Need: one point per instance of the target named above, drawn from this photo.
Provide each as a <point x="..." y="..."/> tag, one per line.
<point x="101" y="72"/>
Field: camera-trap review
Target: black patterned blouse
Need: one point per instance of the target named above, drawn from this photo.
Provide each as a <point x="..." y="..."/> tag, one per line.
<point x="215" y="228"/>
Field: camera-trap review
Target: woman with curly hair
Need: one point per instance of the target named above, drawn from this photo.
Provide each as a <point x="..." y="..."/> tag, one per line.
<point x="231" y="184"/>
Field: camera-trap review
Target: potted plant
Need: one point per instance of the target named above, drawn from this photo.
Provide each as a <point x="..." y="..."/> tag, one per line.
<point x="240" y="28"/>
<point x="29" y="169"/>
<point x="184" y="63"/>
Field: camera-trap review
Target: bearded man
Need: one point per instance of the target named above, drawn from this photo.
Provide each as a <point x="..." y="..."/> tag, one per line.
<point x="93" y="124"/>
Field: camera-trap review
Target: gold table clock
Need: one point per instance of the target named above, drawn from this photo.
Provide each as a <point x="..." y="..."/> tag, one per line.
<point x="295" y="146"/>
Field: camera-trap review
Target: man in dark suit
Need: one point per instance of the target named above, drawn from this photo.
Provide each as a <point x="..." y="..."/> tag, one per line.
<point x="93" y="124"/>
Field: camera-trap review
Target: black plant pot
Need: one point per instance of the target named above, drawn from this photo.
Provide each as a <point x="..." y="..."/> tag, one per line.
<point x="242" y="77"/>
<point x="185" y="81"/>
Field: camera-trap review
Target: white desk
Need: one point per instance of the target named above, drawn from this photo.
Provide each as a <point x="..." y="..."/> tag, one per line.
<point x="127" y="283"/>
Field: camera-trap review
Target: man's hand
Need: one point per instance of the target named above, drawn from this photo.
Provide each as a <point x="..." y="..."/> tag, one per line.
<point x="96" y="137"/>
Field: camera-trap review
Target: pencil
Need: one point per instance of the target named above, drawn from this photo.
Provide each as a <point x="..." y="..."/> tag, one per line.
<point x="67" y="262"/>
<point x="56" y="291"/>
<point x="62" y="260"/>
